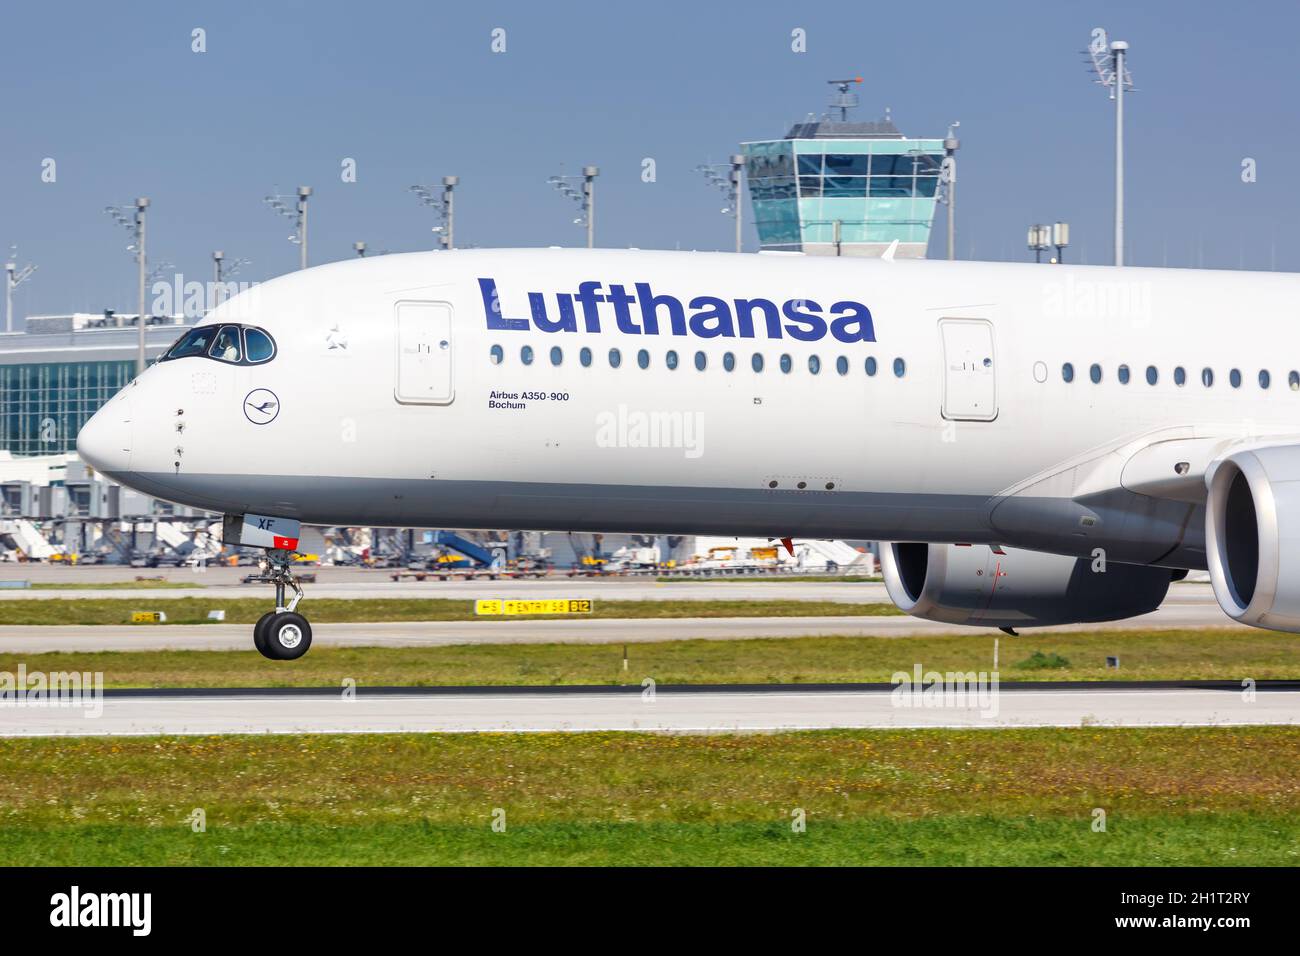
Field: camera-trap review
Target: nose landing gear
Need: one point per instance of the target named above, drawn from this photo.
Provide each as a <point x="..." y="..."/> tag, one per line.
<point x="282" y="634"/>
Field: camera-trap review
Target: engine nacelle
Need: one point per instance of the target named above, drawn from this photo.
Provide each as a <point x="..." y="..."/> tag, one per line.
<point x="976" y="585"/>
<point x="1252" y="536"/>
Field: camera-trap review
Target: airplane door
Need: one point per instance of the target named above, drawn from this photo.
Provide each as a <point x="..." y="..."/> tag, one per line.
<point x="969" y="370"/>
<point x="424" y="354"/>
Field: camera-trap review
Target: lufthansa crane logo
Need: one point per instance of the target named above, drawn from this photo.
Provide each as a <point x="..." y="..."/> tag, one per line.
<point x="261" y="406"/>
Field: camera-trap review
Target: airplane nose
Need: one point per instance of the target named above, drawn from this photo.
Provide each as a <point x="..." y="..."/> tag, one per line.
<point x="104" y="442"/>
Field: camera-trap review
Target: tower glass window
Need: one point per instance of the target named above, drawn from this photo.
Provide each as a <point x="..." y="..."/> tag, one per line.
<point x="836" y="186"/>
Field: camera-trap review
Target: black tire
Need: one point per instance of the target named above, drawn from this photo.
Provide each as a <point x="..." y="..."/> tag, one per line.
<point x="259" y="638"/>
<point x="287" y="636"/>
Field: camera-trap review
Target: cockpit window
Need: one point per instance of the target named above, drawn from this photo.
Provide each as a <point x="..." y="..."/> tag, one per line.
<point x="226" y="345"/>
<point x="193" y="342"/>
<point x="236" y="344"/>
<point x="258" y="346"/>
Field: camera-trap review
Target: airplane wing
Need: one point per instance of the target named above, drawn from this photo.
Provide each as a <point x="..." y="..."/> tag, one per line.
<point x="1218" y="497"/>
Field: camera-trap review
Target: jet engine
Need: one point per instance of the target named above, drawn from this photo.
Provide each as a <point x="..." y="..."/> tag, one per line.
<point x="1005" y="587"/>
<point x="1252" y="536"/>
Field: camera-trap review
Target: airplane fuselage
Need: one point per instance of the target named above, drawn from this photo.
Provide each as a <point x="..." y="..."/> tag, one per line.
<point x="906" y="400"/>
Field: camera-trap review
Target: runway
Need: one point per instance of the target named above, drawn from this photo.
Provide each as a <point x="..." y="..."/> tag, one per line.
<point x="36" y="639"/>
<point x="350" y="583"/>
<point x="667" y="710"/>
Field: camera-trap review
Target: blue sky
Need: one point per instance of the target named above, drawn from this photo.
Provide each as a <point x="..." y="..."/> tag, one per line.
<point x="412" y="91"/>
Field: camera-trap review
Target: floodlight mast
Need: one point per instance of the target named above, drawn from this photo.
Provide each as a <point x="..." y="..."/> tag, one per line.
<point x="948" y="179"/>
<point x="730" y="186"/>
<point x="141" y="205"/>
<point x="297" y="213"/>
<point x="303" y="193"/>
<point x="136" y="226"/>
<point x="222" y="271"/>
<point x="14" y="277"/>
<point x="586" y="199"/>
<point x="1109" y="62"/>
<point x="444" y="205"/>
<point x="1119" y="50"/>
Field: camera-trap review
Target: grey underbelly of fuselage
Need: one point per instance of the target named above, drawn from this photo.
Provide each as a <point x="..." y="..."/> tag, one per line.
<point x="645" y="509"/>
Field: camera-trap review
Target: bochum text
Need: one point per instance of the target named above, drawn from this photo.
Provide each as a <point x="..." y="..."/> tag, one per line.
<point x="704" y="316"/>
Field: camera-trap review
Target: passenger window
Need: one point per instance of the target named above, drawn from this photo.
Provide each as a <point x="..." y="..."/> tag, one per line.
<point x="1234" y="378"/>
<point x="1207" y="377"/>
<point x="787" y="363"/>
<point x="1293" y="379"/>
<point x="1094" y="373"/>
<point x="1180" y="376"/>
<point x="814" y="364"/>
<point x="842" y="365"/>
<point x="1153" y="375"/>
<point x="900" y="368"/>
<point x="557" y="355"/>
<point x="258" y="346"/>
<point x="496" y="355"/>
<point x="756" y="363"/>
<point x="526" y="355"/>
<point x="871" y="365"/>
<point x="615" y="358"/>
<point x="671" y="359"/>
<point x="1067" y="372"/>
<point x="701" y="361"/>
<point x="643" y="358"/>
<point x="728" y="361"/>
<point x="226" y="345"/>
<point x="1264" y="378"/>
<point x="1123" y="375"/>
<point x="584" y="356"/>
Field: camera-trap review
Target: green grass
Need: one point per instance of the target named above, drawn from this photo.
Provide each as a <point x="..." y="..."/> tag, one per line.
<point x="1038" y="661"/>
<point x="374" y="610"/>
<point x="1203" y="796"/>
<point x="1155" y="655"/>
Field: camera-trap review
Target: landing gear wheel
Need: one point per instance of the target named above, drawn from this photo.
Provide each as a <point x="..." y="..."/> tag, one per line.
<point x="259" y="636"/>
<point x="282" y="634"/>
<point x="287" y="636"/>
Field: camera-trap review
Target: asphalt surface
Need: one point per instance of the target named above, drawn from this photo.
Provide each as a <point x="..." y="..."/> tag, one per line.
<point x="664" y="710"/>
<point x="35" y="639"/>
<point x="352" y="583"/>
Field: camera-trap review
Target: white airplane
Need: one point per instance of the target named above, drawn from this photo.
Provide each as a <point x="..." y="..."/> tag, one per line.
<point x="1047" y="444"/>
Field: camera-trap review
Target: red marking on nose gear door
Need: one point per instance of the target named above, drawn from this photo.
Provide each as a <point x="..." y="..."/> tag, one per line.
<point x="288" y="544"/>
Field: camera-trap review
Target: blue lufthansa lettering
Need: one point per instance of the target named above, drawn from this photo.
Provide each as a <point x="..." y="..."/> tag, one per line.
<point x="704" y="316"/>
<point x="801" y="313"/>
<point x="492" y="308"/>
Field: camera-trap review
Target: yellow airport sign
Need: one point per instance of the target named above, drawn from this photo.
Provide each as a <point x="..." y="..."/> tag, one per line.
<point x="148" y="617"/>
<point x="512" y="606"/>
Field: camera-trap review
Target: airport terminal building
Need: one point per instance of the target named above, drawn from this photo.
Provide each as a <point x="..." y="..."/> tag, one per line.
<point x="57" y="373"/>
<point x="53" y="377"/>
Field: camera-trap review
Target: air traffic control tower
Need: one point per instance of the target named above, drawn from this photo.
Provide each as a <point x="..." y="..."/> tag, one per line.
<point x="832" y="187"/>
